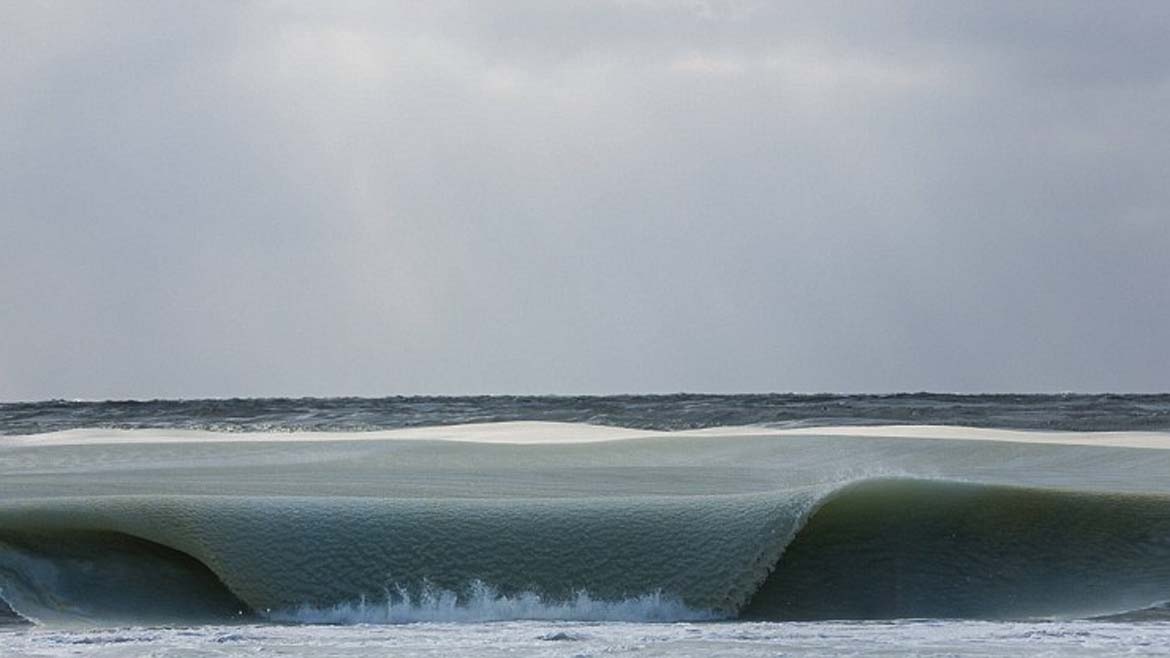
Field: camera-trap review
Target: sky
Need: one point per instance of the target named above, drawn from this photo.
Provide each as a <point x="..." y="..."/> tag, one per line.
<point x="203" y="199"/>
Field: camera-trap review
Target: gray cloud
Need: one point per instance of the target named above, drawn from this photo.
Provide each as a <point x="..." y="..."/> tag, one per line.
<point x="294" y="198"/>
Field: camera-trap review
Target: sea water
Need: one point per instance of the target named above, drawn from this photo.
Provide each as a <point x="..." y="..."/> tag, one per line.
<point x="681" y="525"/>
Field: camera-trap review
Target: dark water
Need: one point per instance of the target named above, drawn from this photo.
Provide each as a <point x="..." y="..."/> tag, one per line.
<point x="676" y="528"/>
<point x="663" y="412"/>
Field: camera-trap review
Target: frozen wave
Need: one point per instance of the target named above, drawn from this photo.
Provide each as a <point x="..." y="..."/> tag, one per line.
<point x="748" y="523"/>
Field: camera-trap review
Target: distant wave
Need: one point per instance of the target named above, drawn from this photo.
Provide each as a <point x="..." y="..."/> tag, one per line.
<point x="1076" y="412"/>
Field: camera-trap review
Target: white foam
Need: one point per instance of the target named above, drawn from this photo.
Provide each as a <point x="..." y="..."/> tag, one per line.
<point x="485" y="603"/>
<point x="543" y="432"/>
<point x="524" y="432"/>
<point x="531" y="639"/>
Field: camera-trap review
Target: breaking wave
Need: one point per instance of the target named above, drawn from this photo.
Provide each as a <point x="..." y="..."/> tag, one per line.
<point x="482" y="603"/>
<point x="867" y="549"/>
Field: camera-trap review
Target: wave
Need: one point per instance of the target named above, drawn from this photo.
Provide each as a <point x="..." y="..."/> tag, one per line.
<point x="867" y="549"/>
<point x="903" y="548"/>
<point x="63" y="577"/>
<point x="748" y="523"/>
<point x="284" y="553"/>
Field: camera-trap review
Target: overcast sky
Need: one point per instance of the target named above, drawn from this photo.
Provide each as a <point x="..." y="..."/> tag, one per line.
<point x="284" y="198"/>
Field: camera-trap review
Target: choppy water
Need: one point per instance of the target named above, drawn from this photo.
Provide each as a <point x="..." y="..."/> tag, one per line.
<point x="130" y="528"/>
<point x="583" y="639"/>
<point x="660" y="412"/>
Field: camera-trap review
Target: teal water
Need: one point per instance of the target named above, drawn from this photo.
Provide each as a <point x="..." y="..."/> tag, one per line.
<point x="545" y="521"/>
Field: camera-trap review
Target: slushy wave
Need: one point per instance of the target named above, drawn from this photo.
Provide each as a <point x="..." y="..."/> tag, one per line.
<point x="656" y="529"/>
<point x="880" y="548"/>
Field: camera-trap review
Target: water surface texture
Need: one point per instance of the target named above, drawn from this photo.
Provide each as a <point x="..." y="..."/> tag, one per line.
<point x="661" y="412"/>
<point x="679" y="524"/>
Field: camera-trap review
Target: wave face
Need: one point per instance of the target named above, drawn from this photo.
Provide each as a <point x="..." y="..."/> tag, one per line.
<point x="707" y="553"/>
<point x="912" y="548"/>
<point x="700" y="526"/>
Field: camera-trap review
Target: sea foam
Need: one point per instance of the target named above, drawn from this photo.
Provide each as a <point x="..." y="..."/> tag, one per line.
<point x="484" y="603"/>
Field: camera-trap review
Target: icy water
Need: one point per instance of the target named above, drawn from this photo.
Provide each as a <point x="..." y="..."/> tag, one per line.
<point x="573" y="639"/>
<point x="675" y="525"/>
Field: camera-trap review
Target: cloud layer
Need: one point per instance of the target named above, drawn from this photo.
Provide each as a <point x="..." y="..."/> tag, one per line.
<point x="439" y="197"/>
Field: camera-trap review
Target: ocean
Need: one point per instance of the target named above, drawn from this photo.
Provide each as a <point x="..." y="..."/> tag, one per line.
<point x="682" y="525"/>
